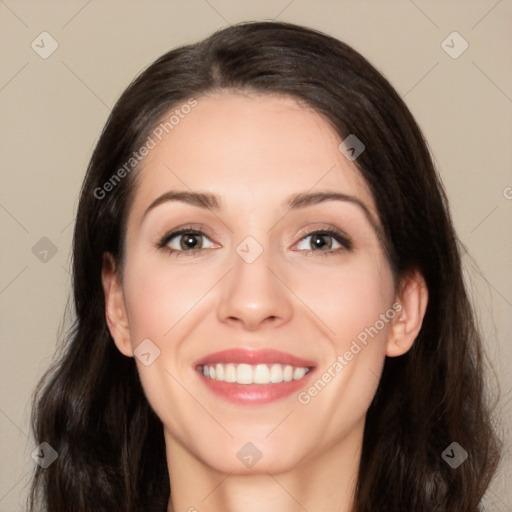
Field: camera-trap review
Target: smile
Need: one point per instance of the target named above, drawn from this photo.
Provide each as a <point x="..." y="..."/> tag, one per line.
<point x="253" y="377"/>
<point x="253" y="374"/>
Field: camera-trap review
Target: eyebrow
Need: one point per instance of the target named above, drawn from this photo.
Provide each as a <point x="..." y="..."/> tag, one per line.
<point x="296" y="201"/>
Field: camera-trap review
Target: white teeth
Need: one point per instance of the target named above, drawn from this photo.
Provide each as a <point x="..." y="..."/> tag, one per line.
<point x="230" y="373"/>
<point x="244" y="374"/>
<point x="298" y="373"/>
<point x="276" y="373"/>
<point x="253" y="374"/>
<point x="261" y="374"/>
<point x="219" y="372"/>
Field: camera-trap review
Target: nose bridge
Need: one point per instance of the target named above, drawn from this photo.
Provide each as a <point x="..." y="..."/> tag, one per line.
<point x="252" y="293"/>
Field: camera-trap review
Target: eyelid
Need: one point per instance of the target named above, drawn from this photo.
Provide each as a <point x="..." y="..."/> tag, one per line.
<point x="325" y="229"/>
<point x="193" y="229"/>
<point x="340" y="236"/>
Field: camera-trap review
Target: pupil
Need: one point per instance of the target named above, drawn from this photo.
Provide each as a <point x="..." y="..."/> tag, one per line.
<point x="319" y="241"/>
<point x="190" y="241"/>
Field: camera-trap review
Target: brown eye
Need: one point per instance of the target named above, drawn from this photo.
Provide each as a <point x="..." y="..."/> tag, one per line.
<point x="324" y="241"/>
<point x="186" y="241"/>
<point x="321" y="241"/>
<point x="190" y="241"/>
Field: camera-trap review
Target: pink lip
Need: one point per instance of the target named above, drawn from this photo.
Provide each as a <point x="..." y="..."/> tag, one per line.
<point x="253" y="394"/>
<point x="261" y="356"/>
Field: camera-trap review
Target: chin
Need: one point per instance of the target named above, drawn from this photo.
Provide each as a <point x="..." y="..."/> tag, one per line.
<point x="241" y="456"/>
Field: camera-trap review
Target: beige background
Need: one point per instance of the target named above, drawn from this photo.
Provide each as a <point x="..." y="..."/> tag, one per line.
<point x="53" y="110"/>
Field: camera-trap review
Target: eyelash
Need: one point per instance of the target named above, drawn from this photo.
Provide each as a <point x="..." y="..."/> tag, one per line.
<point x="340" y="237"/>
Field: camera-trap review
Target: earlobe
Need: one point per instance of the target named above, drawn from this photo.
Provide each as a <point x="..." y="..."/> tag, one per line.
<point x="115" y="308"/>
<point x="412" y="298"/>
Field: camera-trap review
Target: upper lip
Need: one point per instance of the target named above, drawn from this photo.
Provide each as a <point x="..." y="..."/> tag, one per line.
<point x="251" y="356"/>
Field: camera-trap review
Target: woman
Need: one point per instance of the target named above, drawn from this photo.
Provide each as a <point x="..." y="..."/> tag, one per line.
<point x="270" y="310"/>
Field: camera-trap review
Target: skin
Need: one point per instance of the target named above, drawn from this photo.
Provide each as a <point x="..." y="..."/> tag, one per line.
<point x="253" y="152"/>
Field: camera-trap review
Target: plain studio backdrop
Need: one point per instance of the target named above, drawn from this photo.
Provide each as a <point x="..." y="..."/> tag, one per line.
<point x="63" y="66"/>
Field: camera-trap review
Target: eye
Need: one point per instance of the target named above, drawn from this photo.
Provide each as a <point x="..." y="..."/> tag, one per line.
<point x="192" y="241"/>
<point x="324" y="241"/>
<point x="185" y="240"/>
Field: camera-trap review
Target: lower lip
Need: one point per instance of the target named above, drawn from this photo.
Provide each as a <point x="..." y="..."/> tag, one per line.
<point x="251" y="394"/>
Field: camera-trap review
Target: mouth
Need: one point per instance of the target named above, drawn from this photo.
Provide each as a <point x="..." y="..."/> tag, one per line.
<point x="253" y="374"/>
<point x="253" y="377"/>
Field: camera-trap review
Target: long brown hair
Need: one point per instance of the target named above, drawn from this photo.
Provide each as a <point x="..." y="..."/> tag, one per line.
<point x="90" y="406"/>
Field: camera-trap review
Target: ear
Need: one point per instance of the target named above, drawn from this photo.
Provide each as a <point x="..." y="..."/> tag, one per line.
<point x="411" y="304"/>
<point x="115" y="307"/>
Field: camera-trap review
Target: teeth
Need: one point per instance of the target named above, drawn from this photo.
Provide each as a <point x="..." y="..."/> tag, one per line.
<point x="253" y="374"/>
<point x="243" y="374"/>
<point x="219" y="372"/>
<point x="261" y="374"/>
<point x="276" y="373"/>
<point x="298" y="373"/>
<point x="230" y="373"/>
<point x="288" y="373"/>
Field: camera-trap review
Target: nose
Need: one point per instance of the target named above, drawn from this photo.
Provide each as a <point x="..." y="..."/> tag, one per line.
<point x="254" y="296"/>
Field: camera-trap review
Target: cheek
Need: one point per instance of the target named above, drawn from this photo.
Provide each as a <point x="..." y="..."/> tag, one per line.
<point x="162" y="304"/>
<point x="159" y="296"/>
<point x="355" y="304"/>
<point x="348" y="299"/>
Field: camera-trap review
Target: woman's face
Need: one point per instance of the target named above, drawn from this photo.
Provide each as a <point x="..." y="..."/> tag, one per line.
<point x="278" y="263"/>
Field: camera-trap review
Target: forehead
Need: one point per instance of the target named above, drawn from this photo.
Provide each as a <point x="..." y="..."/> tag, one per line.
<point x="248" y="148"/>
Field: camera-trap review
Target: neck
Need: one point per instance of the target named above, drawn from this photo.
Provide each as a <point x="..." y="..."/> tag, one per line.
<point x="325" y="482"/>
